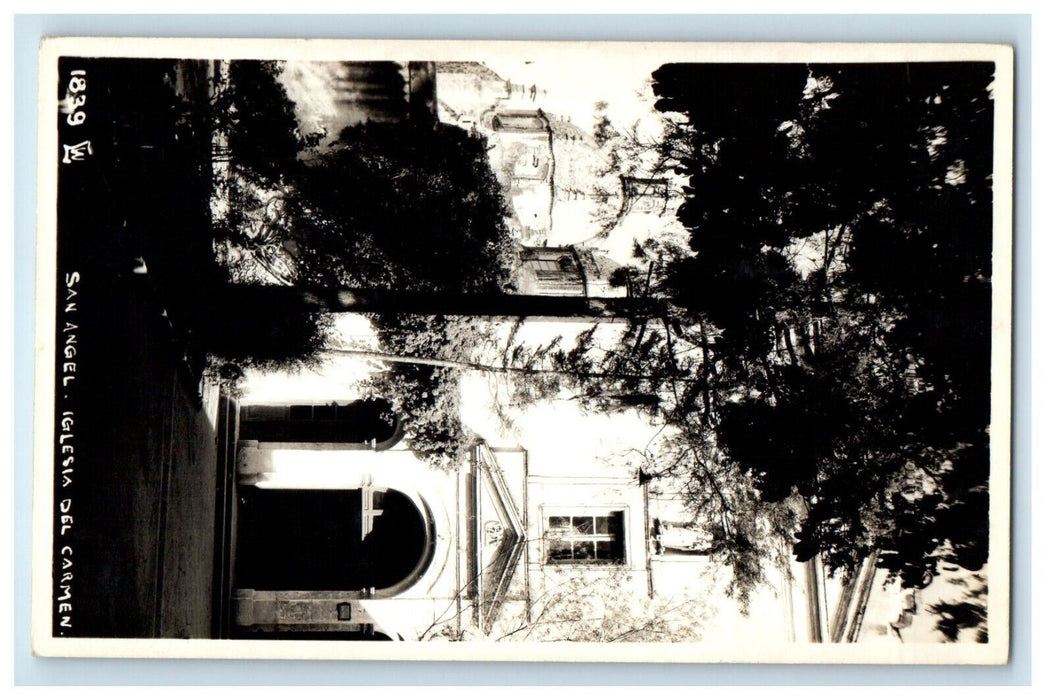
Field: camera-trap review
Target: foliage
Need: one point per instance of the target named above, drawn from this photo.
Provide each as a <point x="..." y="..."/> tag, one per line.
<point x="586" y="607"/>
<point x="639" y="152"/>
<point x="247" y="329"/>
<point x="409" y="205"/>
<point x="821" y="368"/>
<point x="744" y="532"/>
<point x="594" y="606"/>
<point x="826" y="346"/>
<point x="258" y="119"/>
<point x="666" y="373"/>
<point x="428" y="397"/>
<point x="226" y="375"/>
<point x="252" y="230"/>
<point x="403" y="205"/>
<point x="968" y="613"/>
<point x="240" y="328"/>
<point x="869" y="368"/>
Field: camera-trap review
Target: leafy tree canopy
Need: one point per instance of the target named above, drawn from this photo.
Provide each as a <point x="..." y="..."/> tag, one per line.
<point x="408" y="206"/>
<point x="827" y="341"/>
<point x="404" y="205"/>
<point x="259" y="120"/>
<point x="428" y="397"/>
<point x="861" y="377"/>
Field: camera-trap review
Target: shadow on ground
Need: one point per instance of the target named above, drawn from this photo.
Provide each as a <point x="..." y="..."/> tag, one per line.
<point x="134" y="224"/>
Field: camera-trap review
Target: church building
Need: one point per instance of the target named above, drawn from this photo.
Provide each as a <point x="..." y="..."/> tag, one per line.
<point x="339" y="530"/>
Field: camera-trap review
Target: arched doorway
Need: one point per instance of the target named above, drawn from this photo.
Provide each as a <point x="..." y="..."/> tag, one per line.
<point x="364" y="424"/>
<point x="370" y="540"/>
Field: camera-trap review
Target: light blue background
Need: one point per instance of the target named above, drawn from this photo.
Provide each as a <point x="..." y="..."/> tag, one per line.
<point x="1009" y="29"/>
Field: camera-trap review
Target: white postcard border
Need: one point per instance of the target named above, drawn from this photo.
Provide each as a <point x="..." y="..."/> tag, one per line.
<point x="994" y="652"/>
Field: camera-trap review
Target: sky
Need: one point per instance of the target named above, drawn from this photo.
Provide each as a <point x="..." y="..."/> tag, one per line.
<point x="572" y="87"/>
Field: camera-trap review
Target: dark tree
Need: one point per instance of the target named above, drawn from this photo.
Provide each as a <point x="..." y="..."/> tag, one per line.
<point x="862" y="380"/>
<point x="238" y="326"/>
<point x="822" y="351"/>
<point x="258" y="120"/>
<point x="255" y="122"/>
<point x="428" y="397"/>
<point x="406" y="206"/>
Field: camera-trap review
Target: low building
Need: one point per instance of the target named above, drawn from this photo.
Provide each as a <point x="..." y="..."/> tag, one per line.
<point x="340" y="530"/>
<point x="567" y="271"/>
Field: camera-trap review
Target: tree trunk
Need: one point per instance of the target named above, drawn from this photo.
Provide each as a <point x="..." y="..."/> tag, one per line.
<point x="395" y="301"/>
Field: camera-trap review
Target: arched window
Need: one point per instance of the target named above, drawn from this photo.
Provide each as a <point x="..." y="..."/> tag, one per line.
<point x="365" y="423"/>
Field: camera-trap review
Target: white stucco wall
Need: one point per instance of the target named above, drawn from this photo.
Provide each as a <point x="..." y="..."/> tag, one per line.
<point x="574" y="460"/>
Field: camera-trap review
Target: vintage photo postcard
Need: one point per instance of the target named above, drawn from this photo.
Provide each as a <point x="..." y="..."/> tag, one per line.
<point x="532" y="351"/>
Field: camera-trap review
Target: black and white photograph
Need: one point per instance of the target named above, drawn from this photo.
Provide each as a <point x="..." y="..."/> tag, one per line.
<point x="547" y="351"/>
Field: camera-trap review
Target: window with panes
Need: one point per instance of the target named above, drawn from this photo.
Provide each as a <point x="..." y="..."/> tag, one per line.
<point x="585" y="538"/>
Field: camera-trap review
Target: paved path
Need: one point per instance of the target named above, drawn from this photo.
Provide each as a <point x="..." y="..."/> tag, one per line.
<point x="144" y="493"/>
<point x="144" y="489"/>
